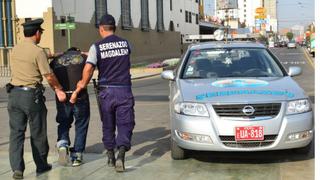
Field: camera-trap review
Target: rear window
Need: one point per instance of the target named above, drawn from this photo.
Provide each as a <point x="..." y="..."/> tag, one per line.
<point x="230" y="62"/>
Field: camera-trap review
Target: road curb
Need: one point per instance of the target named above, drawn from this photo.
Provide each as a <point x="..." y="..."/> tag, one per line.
<point x="308" y="58"/>
<point x="147" y="76"/>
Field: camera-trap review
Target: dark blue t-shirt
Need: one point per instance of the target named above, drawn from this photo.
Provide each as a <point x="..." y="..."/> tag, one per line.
<point x="112" y="60"/>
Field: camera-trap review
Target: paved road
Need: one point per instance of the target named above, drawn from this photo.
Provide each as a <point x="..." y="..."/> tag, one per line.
<point x="150" y="154"/>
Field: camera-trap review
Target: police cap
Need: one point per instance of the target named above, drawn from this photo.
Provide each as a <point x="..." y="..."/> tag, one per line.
<point x="107" y="19"/>
<point x="33" y="24"/>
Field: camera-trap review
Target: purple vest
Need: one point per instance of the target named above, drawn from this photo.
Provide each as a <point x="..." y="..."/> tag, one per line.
<point x="113" y="55"/>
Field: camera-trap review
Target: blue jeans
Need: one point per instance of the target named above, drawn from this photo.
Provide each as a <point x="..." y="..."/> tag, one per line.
<point x="66" y="114"/>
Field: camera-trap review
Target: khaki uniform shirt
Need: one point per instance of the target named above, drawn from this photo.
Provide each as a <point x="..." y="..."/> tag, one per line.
<point x="29" y="63"/>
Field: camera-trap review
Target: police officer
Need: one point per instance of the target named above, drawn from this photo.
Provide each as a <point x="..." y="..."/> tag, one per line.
<point x="111" y="55"/>
<point x="26" y="101"/>
<point x="68" y="68"/>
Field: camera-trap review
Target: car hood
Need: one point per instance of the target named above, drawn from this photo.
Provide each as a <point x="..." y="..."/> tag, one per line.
<point x="240" y="90"/>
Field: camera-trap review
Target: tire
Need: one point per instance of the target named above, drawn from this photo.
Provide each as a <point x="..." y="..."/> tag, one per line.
<point x="303" y="150"/>
<point x="177" y="153"/>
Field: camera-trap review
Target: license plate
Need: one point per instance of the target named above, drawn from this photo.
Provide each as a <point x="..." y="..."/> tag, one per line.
<point x="249" y="133"/>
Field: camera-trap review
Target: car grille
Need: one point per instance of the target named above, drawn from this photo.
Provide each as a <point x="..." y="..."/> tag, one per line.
<point x="231" y="142"/>
<point x="235" y="110"/>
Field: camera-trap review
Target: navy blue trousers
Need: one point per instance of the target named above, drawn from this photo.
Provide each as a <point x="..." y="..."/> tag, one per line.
<point x="117" y="115"/>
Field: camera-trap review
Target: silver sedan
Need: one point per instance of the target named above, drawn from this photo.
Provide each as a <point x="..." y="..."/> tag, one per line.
<point x="236" y="97"/>
<point x="292" y="44"/>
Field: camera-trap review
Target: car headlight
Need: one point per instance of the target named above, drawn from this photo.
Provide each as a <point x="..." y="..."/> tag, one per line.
<point x="298" y="106"/>
<point x="191" y="109"/>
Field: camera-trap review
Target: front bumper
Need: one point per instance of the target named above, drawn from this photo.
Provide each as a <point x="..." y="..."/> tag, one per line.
<point x="217" y="128"/>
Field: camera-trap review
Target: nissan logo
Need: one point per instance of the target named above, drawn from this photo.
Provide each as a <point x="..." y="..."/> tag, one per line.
<point x="248" y="110"/>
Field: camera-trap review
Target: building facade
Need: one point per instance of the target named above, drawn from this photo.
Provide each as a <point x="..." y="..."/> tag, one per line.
<point x="245" y="12"/>
<point x="271" y="12"/>
<point x="153" y="27"/>
<point x="271" y="8"/>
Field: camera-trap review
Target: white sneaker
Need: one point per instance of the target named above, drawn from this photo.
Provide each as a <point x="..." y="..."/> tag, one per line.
<point x="63" y="155"/>
<point x="77" y="159"/>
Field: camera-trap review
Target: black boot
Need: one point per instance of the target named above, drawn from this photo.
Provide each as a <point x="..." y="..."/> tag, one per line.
<point x="120" y="159"/>
<point x="111" y="158"/>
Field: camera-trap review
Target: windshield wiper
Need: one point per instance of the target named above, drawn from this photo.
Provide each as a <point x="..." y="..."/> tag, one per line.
<point x="194" y="77"/>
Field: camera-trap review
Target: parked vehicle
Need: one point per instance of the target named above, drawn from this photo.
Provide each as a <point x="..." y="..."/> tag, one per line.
<point x="271" y="44"/>
<point x="292" y="44"/>
<point x="312" y="44"/>
<point x="236" y="97"/>
<point x="283" y="44"/>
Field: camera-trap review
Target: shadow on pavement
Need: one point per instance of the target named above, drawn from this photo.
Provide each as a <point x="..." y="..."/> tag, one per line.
<point x="262" y="157"/>
<point x="155" y="135"/>
<point x="158" y="143"/>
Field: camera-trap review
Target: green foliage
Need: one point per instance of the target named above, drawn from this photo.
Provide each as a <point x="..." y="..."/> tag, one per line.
<point x="262" y="38"/>
<point x="289" y="35"/>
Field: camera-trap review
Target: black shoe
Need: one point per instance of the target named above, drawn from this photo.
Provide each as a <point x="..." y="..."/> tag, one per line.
<point x="17" y="174"/>
<point x="43" y="170"/>
<point x="120" y="159"/>
<point x="111" y="158"/>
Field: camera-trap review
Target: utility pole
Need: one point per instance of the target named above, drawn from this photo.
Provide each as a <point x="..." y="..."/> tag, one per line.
<point x="227" y="19"/>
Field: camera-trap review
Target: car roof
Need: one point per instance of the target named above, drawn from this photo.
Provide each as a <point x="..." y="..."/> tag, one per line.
<point x="222" y="44"/>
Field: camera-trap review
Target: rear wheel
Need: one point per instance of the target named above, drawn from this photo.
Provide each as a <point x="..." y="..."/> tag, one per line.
<point x="177" y="153"/>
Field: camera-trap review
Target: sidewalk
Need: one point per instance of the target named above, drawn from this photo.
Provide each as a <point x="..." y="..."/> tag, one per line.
<point x="136" y="73"/>
<point x="95" y="167"/>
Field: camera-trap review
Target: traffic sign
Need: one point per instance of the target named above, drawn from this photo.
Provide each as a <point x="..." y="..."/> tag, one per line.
<point x="61" y="26"/>
<point x="261" y="21"/>
<point x="260" y="16"/>
<point x="260" y="10"/>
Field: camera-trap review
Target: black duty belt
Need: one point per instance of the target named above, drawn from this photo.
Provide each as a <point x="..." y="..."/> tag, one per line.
<point x="24" y="88"/>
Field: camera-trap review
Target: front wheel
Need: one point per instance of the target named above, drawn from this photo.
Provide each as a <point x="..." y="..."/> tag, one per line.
<point x="177" y="153"/>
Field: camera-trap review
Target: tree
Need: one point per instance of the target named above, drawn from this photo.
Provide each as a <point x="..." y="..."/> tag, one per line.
<point x="289" y="35"/>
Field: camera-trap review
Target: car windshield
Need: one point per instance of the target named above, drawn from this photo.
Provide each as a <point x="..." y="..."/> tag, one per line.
<point x="230" y="62"/>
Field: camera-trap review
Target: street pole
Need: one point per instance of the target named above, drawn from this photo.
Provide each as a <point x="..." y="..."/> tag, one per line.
<point x="69" y="38"/>
<point x="227" y="18"/>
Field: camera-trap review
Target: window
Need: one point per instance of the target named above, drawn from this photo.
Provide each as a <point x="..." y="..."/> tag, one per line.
<point x="197" y="1"/>
<point x="100" y="10"/>
<point x="126" y="21"/>
<point x="171" y="27"/>
<point x="197" y="18"/>
<point x="187" y="16"/>
<point x="6" y="24"/>
<point x="145" y="24"/>
<point x="160" y="25"/>
<point x="170" y="5"/>
<point x="231" y="62"/>
<point x="190" y="17"/>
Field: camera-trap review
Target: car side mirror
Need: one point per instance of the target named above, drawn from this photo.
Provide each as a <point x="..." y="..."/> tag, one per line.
<point x="294" y="71"/>
<point x="168" y="75"/>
